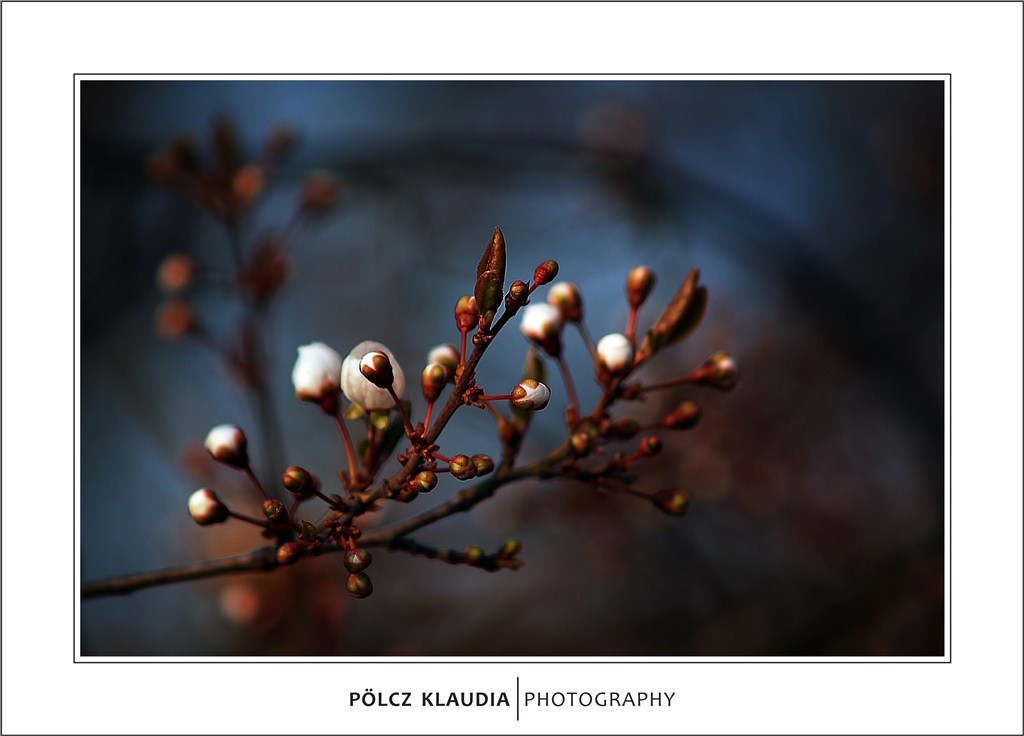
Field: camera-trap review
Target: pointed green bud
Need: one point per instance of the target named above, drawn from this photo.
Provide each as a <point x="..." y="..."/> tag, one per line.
<point x="494" y="258"/>
<point x="488" y="294"/>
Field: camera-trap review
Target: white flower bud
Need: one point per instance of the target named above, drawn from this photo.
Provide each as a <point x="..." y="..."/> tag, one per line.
<point x="531" y="395"/>
<point x="227" y="444"/>
<point x="317" y="372"/>
<point x="205" y="508"/>
<point x="358" y="389"/>
<point x="445" y="354"/>
<point x="542" y="324"/>
<point x="616" y="353"/>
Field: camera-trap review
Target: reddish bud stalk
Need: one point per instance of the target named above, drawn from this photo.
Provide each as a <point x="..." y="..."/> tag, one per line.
<point x="409" y="430"/>
<point x="589" y="342"/>
<point x="426" y="417"/>
<point x="255" y="481"/>
<point x="570" y="388"/>
<point x="248" y="519"/>
<point x="346" y="440"/>
<point x="496" y="397"/>
<point x="631" y="326"/>
<point x="696" y="377"/>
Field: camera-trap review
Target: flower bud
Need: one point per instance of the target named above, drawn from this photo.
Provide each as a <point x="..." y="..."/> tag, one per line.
<point x="581" y="444"/>
<point x="531" y="395"/>
<point x="357" y="560"/>
<point x="474" y="555"/>
<point x="615" y="353"/>
<point x="673" y="503"/>
<point x="227" y="444"/>
<point x="650" y="445"/>
<point x="433" y="380"/>
<point x="684" y="416"/>
<point x="723" y="373"/>
<point x="376" y="368"/>
<point x="466" y="313"/>
<point x="290" y="552"/>
<point x="542" y="324"/>
<point x="205" y="508"/>
<point x="175" y="318"/>
<point x="316" y="372"/>
<point x="424" y="481"/>
<point x="510" y="548"/>
<point x="247" y="184"/>
<point x="358" y="585"/>
<point x="319" y="193"/>
<point x="483" y="463"/>
<point x="639" y="283"/>
<point x="447" y="356"/>
<point x="565" y="297"/>
<point x="545" y="273"/>
<point x="517" y="295"/>
<point x="462" y="467"/>
<point x="275" y="511"/>
<point x="175" y="273"/>
<point x="624" y="428"/>
<point x="299" y="482"/>
<point x="358" y="388"/>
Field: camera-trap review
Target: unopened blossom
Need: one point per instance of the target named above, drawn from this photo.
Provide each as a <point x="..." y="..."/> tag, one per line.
<point x="226" y="443"/>
<point x="361" y="391"/>
<point x="615" y="352"/>
<point x="317" y="372"/>
<point x="542" y="324"/>
<point x="531" y="395"/>
<point x="565" y="297"/>
<point x="205" y="508"/>
<point x="445" y="354"/>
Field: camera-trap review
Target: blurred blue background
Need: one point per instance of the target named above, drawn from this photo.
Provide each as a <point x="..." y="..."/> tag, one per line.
<point x="815" y="213"/>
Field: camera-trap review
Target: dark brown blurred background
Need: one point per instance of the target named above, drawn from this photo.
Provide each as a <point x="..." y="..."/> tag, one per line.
<point x="815" y="213"/>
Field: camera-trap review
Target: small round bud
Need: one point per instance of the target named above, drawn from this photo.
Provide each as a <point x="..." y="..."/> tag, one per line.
<point x="299" y="481"/>
<point x="565" y="297"/>
<point x="466" y="313"/>
<point x="247" y="184"/>
<point x="474" y="555"/>
<point x="615" y="353"/>
<point x="376" y="368"/>
<point x="542" y="324"/>
<point x="684" y="416"/>
<point x="319" y="193"/>
<point x="483" y="463"/>
<point x="290" y="552"/>
<point x="275" y="511"/>
<point x="433" y="381"/>
<point x="175" y="273"/>
<point x="639" y="283"/>
<point x="673" y="503"/>
<point x="175" y="318"/>
<point x="226" y="443"/>
<point x="581" y="444"/>
<point x="445" y="354"/>
<point x="545" y="273"/>
<point x="624" y="428"/>
<point x="357" y="560"/>
<point x="650" y="445"/>
<point x="425" y="481"/>
<point x="316" y="372"/>
<point x="205" y="508"/>
<point x="518" y="293"/>
<point x="531" y="395"/>
<point x="510" y="549"/>
<point x="723" y="372"/>
<point x="359" y="389"/>
<point x="462" y="467"/>
<point x="358" y="585"/>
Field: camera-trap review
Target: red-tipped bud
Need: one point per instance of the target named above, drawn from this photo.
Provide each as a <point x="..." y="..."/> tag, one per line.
<point x="650" y="446"/>
<point x="299" y="481"/>
<point x="376" y="368"/>
<point x="531" y="395"/>
<point x="684" y="416"/>
<point x="483" y="464"/>
<point x="624" y="428"/>
<point x="673" y="503"/>
<point x="581" y="444"/>
<point x="466" y="313"/>
<point x="545" y="273"/>
<point x="226" y="443"/>
<point x="357" y="560"/>
<point x="722" y="371"/>
<point x="175" y="318"/>
<point x="205" y="508"/>
<point x="359" y="585"/>
<point x="474" y="555"/>
<point x="510" y="548"/>
<point x="462" y="467"/>
<point x="275" y="511"/>
<point x="175" y="273"/>
<point x="290" y="552"/>
<point x="445" y="355"/>
<point x="247" y="184"/>
<point x="565" y="297"/>
<point x="639" y="283"/>
<point x="433" y="381"/>
<point x="425" y="481"/>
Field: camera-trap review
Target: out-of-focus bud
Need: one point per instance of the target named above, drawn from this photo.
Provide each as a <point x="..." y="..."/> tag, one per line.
<point x="316" y="374"/>
<point x="446" y="355"/>
<point x="290" y="552"/>
<point x="275" y="511"/>
<point x="684" y="416"/>
<point x="205" y="508"/>
<point x="624" y="428"/>
<point x="175" y="318"/>
<point x="357" y="560"/>
<point x="679" y="319"/>
<point x="639" y="283"/>
<point x="581" y="444"/>
<point x="299" y="482"/>
<point x="247" y="184"/>
<point x="358" y="585"/>
<point x="483" y="463"/>
<point x="226" y="443"/>
<point x="565" y="297"/>
<point x="650" y="445"/>
<point x="462" y="467"/>
<point x="474" y="555"/>
<point x="673" y="503"/>
<point x="542" y="324"/>
<point x="359" y="390"/>
<point x="510" y="548"/>
<point x="615" y="353"/>
<point x="722" y="371"/>
<point x="308" y="532"/>
<point x="518" y="293"/>
<point x="433" y="381"/>
<point x="175" y="273"/>
<point x="376" y="368"/>
<point x="279" y="144"/>
<point x="320" y="193"/>
<point x="467" y="315"/>
<point x="545" y="273"/>
<point x="531" y="395"/>
<point x="424" y="481"/>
